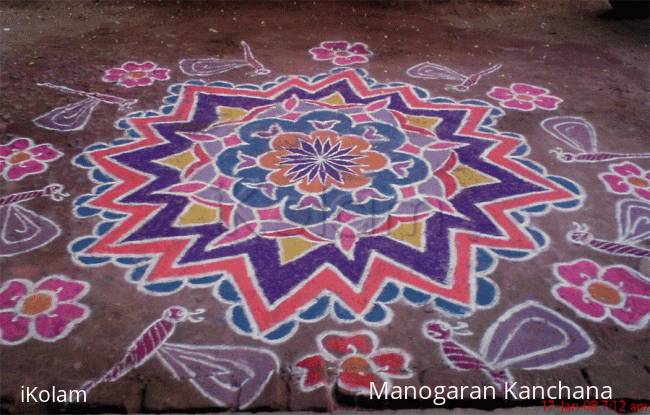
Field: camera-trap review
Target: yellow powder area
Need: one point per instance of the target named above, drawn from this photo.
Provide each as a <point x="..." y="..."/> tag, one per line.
<point x="198" y="215"/>
<point x="292" y="247"/>
<point x="355" y="364"/>
<point x="37" y="303"/>
<point x="410" y="233"/>
<point x="468" y="177"/>
<point x="334" y="99"/>
<point x="180" y="161"/>
<point x="428" y="123"/>
<point x="230" y="113"/>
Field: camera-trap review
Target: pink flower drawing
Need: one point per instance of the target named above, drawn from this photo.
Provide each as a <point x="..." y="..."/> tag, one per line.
<point x="46" y="311"/>
<point x="341" y="53"/>
<point x="524" y="97"/>
<point x="136" y="74"/>
<point x="353" y="361"/>
<point x="617" y="292"/>
<point x="626" y="178"/>
<point x="21" y="158"/>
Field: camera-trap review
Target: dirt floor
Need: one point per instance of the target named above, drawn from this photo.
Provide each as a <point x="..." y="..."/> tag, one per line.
<point x="285" y="206"/>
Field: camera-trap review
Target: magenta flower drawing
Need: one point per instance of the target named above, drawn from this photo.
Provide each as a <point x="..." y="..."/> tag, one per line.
<point x="46" y="311"/>
<point x="136" y="74"/>
<point x="21" y="158"/>
<point x="524" y="97"/>
<point x="341" y="53"/>
<point x="617" y="292"/>
<point x="627" y="178"/>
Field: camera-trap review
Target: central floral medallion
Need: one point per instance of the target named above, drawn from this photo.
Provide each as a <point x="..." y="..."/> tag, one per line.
<point x="321" y="160"/>
<point x="303" y="198"/>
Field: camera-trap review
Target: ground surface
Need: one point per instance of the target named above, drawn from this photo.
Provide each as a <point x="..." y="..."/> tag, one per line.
<point x="434" y="213"/>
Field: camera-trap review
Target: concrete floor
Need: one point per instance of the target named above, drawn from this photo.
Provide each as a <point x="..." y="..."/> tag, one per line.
<point x="146" y="261"/>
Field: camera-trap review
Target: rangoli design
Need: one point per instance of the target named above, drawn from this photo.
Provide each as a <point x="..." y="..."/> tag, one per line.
<point x="46" y="311"/>
<point x="311" y="197"/>
<point x="21" y="157"/>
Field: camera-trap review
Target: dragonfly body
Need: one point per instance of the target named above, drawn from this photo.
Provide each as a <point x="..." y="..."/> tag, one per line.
<point x="147" y="343"/>
<point x="458" y="356"/>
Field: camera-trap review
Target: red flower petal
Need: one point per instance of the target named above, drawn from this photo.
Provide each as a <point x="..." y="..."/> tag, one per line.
<point x="627" y="283"/>
<point x="354" y="381"/>
<point x="316" y="370"/>
<point x="336" y="46"/>
<point x="528" y="89"/>
<point x="391" y="362"/>
<point x="574" y="296"/>
<point x="340" y="346"/>
<point x="349" y="60"/>
<point x="635" y="310"/>
<point x="321" y="54"/>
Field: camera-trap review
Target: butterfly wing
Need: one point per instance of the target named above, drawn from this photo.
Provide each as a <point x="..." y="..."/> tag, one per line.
<point x="573" y="131"/>
<point x="230" y="376"/>
<point x="428" y="70"/>
<point x="22" y="230"/>
<point x="531" y="336"/>
<point x="634" y="220"/>
<point x="68" y="118"/>
<point x="209" y="66"/>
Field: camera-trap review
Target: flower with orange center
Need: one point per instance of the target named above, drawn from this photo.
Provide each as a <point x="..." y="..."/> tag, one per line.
<point x="46" y="311"/>
<point x="524" y="97"/>
<point x="132" y="74"/>
<point x="627" y="178"/>
<point x="617" y="291"/>
<point x="21" y="158"/>
<point x="320" y="160"/>
<point x="353" y="361"/>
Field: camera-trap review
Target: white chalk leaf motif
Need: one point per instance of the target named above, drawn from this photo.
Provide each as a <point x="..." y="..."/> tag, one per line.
<point x="232" y="376"/>
<point x="70" y="117"/>
<point x="573" y="131"/>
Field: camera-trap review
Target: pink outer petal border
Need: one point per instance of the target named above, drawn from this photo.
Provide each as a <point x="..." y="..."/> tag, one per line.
<point x="13" y="331"/>
<point x="12" y="289"/>
<point x="528" y="89"/>
<point x="615" y="183"/>
<point x="134" y="66"/>
<point x="635" y="311"/>
<point x="500" y="93"/>
<point x="349" y="60"/>
<point x="64" y="288"/>
<point x="626" y="281"/>
<point x="627" y="169"/>
<point x="57" y="324"/>
<point x="517" y="104"/>
<point x="336" y="46"/>
<point x="577" y="273"/>
<point x="45" y="152"/>
<point x="321" y="54"/>
<point x="18" y="171"/>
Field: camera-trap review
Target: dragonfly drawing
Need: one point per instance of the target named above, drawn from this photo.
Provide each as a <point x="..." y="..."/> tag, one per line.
<point x="579" y="134"/>
<point x="428" y="70"/>
<point x="633" y="228"/>
<point x="213" y="66"/>
<point x="232" y="376"/>
<point x="527" y="336"/>
<point x="75" y="116"/>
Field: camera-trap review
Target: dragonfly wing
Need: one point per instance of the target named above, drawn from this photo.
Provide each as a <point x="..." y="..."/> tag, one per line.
<point x="531" y="336"/>
<point x="573" y="131"/>
<point x="634" y="220"/>
<point x="22" y="230"/>
<point x="209" y="66"/>
<point x="68" y="118"/>
<point x="228" y="375"/>
<point x="430" y="70"/>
